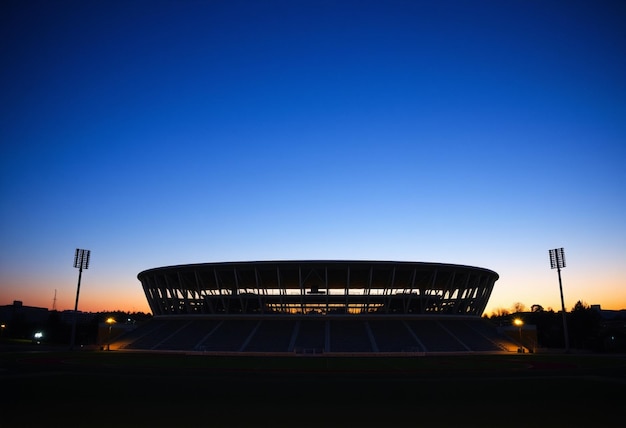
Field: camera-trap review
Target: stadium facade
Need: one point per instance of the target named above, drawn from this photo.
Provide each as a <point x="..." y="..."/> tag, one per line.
<point x="318" y="287"/>
<point x="318" y="306"/>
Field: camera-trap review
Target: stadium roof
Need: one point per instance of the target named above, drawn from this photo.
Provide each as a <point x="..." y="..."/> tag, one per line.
<point x="320" y="286"/>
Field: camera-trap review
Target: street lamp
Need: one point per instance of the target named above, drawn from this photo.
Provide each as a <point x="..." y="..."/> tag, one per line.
<point x="557" y="261"/>
<point x="81" y="261"/>
<point x="110" y="322"/>
<point x="519" y="323"/>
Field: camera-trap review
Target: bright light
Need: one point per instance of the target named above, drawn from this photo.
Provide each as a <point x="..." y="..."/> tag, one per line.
<point x="518" y="322"/>
<point x="110" y="321"/>
<point x="38" y="335"/>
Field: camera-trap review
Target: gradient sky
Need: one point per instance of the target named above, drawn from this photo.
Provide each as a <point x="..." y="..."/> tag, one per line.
<point x="160" y="132"/>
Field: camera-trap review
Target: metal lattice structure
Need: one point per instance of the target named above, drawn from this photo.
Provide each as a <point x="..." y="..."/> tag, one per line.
<point x="318" y="287"/>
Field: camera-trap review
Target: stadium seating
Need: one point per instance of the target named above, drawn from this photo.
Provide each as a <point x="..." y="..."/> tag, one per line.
<point x="329" y="335"/>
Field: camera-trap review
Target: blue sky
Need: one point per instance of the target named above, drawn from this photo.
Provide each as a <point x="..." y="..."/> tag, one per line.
<point x="166" y="132"/>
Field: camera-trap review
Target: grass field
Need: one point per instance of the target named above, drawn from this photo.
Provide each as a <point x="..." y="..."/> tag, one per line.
<point x="99" y="388"/>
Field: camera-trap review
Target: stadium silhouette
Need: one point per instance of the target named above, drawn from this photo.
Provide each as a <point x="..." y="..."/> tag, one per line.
<point x="337" y="307"/>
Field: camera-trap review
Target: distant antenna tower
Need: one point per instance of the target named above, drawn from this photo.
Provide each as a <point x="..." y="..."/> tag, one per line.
<point x="54" y="301"/>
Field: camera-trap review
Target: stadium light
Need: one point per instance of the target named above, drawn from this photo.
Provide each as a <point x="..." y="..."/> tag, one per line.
<point x="81" y="261"/>
<point x="557" y="261"/>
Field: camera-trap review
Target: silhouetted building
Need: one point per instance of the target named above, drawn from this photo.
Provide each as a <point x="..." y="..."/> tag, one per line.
<point x="612" y="318"/>
<point x="17" y="312"/>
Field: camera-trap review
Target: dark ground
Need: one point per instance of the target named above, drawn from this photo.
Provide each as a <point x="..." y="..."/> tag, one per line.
<point x="57" y="387"/>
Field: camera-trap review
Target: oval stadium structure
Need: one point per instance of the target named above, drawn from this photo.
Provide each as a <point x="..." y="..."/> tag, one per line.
<point x="318" y="306"/>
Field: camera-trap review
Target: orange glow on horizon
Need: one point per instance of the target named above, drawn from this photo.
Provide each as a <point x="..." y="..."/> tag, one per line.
<point x="104" y="294"/>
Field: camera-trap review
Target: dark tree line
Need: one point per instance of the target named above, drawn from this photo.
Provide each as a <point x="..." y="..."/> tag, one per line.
<point x="57" y="329"/>
<point x="586" y="327"/>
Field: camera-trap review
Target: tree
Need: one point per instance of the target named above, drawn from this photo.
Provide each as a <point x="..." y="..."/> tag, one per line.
<point x="518" y="307"/>
<point x="536" y="308"/>
<point x="499" y="312"/>
<point x="585" y="324"/>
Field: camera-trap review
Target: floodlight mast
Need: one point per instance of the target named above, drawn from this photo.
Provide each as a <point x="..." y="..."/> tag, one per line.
<point x="557" y="261"/>
<point x="81" y="261"/>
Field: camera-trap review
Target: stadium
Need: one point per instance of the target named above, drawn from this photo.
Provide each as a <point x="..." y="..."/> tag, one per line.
<point x="334" y="307"/>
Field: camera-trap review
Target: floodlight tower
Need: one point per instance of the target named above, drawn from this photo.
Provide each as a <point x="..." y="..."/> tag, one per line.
<point x="557" y="261"/>
<point x="81" y="261"/>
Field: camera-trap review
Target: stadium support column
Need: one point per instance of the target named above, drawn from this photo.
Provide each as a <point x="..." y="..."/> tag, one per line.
<point x="557" y="261"/>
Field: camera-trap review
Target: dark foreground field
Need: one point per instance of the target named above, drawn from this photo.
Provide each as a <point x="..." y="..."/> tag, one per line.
<point x="119" y="389"/>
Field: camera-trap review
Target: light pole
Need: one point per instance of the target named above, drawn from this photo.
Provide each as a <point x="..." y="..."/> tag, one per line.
<point x="519" y="323"/>
<point x="557" y="261"/>
<point x="81" y="261"/>
<point x="110" y="322"/>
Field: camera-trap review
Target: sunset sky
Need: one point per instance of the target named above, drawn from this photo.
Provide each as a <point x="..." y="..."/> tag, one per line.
<point x="163" y="132"/>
